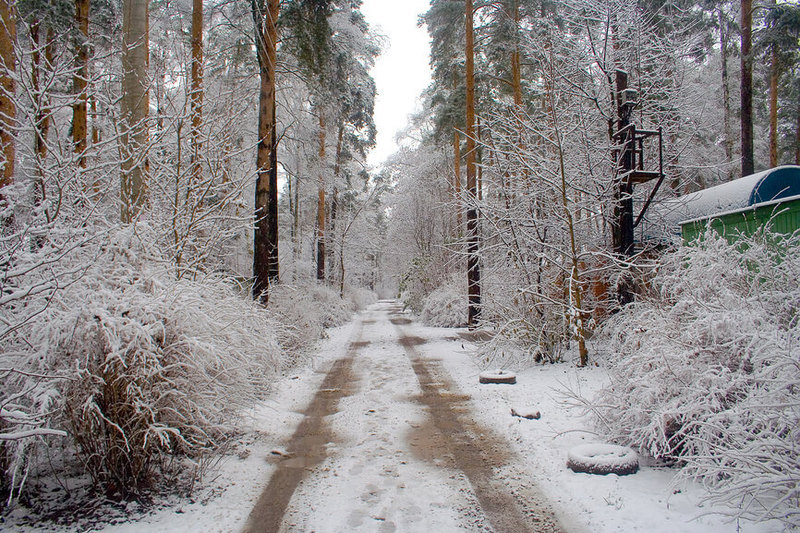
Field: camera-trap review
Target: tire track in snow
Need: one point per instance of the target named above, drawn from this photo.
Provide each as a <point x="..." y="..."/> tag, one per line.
<point x="475" y="450"/>
<point x="374" y="481"/>
<point x="307" y="446"/>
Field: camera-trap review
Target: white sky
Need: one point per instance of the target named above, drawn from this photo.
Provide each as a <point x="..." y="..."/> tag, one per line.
<point x="401" y="72"/>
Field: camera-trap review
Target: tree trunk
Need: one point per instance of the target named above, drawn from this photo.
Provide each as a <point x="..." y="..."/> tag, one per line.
<point x="274" y="261"/>
<point x="42" y="105"/>
<point x="773" y="108"/>
<point x="748" y="163"/>
<point x="8" y="109"/>
<point x="80" y="81"/>
<point x="330" y="261"/>
<point x="43" y="111"/>
<point x="457" y="178"/>
<point x="516" y="70"/>
<point x="797" y="136"/>
<point x="134" y="104"/>
<point x="321" y="201"/>
<point x="296" y="221"/>
<point x="457" y="165"/>
<point x="95" y="129"/>
<point x="196" y="94"/>
<point x="265" y="243"/>
<point x="473" y="266"/>
<point x="726" y="91"/>
<point x="575" y="314"/>
<point x="334" y="201"/>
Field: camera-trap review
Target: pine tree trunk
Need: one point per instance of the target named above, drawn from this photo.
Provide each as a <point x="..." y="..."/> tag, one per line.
<point x="8" y="109"/>
<point x="80" y="81"/>
<point x="274" y="261"/>
<point x="726" y="91"/>
<point x="334" y="201"/>
<point x="330" y="261"/>
<point x="321" y="201"/>
<point x="516" y="69"/>
<point x="265" y="242"/>
<point x="457" y="178"/>
<point x="95" y="129"/>
<point x="473" y="266"/>
<point x="43" y="112"/>
<point x="296" y="221"/>
<point x="196" y="94"/>
<point x="135" y="104"/>
<point x="457" y="165"/>
<point x="773" y="109"/>
<point x="42" y="107"/>
<point x="797" y="136"/>
<point x="748" y="163"/>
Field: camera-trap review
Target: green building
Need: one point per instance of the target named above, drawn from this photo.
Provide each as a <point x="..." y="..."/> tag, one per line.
<point x="766" y="199"/>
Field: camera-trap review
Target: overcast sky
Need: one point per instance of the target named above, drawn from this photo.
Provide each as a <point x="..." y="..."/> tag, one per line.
<point x="402" y="71"/>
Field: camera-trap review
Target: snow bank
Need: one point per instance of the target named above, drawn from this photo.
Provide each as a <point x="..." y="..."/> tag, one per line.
<point x="706" y="373"/>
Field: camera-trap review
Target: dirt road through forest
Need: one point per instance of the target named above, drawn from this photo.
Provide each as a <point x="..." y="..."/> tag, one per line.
<point x="388" y="443"/>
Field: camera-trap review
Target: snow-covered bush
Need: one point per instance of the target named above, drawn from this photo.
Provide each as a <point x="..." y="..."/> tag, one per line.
<point x="151" y="367"/>
<point x="360" y="297"/>
<point x="304" y="311"/>
<point x="526" y="329"/>
<point x="39" y="260"/>
<point x="706" y="372"/>
<point x="447" y="305"/>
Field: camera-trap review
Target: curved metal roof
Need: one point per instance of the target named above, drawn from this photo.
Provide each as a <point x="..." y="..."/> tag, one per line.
<point x="768" y="185"/>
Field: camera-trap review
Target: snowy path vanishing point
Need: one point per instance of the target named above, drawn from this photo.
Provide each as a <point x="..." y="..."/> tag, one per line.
<point x="388" y="443"/>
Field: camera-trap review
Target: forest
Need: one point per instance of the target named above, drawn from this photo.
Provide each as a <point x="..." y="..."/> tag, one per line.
<point x="186" y="206"/>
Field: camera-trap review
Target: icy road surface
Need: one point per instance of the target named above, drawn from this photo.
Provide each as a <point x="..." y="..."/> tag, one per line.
<point x="389" y="443"/>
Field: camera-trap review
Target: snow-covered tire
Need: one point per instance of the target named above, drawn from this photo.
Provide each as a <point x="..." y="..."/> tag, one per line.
<point x="498" y="376"/>
<point x="603" y="459"/>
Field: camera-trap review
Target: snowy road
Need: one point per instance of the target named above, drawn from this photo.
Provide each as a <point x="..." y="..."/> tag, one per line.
<point x="389" y="443"/>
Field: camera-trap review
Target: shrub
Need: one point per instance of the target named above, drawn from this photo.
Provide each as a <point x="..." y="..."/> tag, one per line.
<point x="154" y="368"/>
<point x="304" y="311"/>
<point x="706" y="372"/>
<point x="447" y="305"/>
<point x="359" y="297"/>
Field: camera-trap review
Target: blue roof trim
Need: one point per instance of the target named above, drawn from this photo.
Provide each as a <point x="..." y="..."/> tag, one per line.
<point x="781" y="182"/>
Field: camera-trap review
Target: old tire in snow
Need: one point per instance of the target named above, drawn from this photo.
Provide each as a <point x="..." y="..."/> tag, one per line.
<point x="603" y="459"/>
<point x="498" y="376"/>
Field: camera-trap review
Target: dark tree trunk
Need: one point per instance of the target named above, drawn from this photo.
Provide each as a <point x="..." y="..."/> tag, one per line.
<point x="726" y="91"/>
<point x="457" y="165"/>
<point x="797" y="136"/>
<point x="43" y="111"/>
<point x="473" y="265"/>
<point x="265" y="241"/>
<point x="773" y="108"/>
<point x="321" y="201"/>
<point x="748" y="163"/>
<point x="196" y="94"/>
<point x="8" y="109"/>
<point x="80" y="82"/>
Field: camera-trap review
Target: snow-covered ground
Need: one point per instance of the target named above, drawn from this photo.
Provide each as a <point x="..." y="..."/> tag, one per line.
<point x="379" y="475"/>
